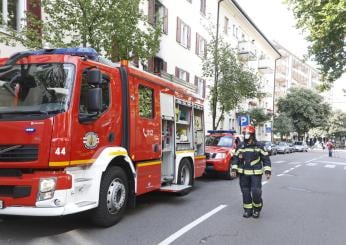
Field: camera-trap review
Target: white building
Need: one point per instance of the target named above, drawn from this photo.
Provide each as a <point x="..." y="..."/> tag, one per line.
<point x="183" y="45"/>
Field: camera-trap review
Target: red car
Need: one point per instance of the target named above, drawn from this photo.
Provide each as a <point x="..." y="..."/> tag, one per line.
<point x="220" y="146"/>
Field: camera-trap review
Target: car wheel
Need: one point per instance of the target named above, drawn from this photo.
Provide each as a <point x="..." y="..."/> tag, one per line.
<point x="228" y="174"/>
<point x="113" y="198"/>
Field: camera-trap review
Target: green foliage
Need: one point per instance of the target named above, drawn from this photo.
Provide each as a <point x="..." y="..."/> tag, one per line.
<point x="116" y="28"/>
<point x="233" y="84"/>
<point x="306" y="109"/>
<point x="337" y="124"/>
<point x="326" y="23"/>
<point x="258" y="116"/>
<point x="283" y="125"/>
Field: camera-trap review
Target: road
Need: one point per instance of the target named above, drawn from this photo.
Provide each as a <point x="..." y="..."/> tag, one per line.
<point x="304" y="203"/>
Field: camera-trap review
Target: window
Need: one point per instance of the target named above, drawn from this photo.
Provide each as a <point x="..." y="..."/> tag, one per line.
<point x="203" y="7"/>
<point x="84" y="94"/>
<point x="182" y="74"/>
<point x="158" y="13"/>
<point x="156" y="65"/>
<point x="201" y="86"/>
<point x="201" y="46"/>
<point x="235" y="31"/>
<point x="225" y="26"/>
<point x="146" y="102"/>
<point x="183" y="34"/>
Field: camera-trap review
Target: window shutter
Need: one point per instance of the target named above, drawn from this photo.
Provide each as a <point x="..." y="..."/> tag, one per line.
<point x="165" y="20"/>
<point x="197" y="43"/>
<point x="187" y="77"/>
<point x="204" y="87"/>
<point x="176" y="72"/>
<point x="196" y="81"/>
<point x="151" y="64"/>
<point x="205" y="48"/>
<point x="188" y="37"/>
<point x="151" y="12"/>
<point x="34" y="7"/>
<point x="164" y="68"/>
<point x="178" y="30"/>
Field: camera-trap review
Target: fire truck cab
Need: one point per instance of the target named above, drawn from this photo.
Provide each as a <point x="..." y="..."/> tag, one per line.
<point x="220" y="146"/>
<point x="81" y="133"/>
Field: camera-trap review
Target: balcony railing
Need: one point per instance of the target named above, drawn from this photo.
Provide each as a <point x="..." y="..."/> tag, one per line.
<point x="176" y="80"/>
<point x="246" y="50"/>
<point x="265" y="66"/>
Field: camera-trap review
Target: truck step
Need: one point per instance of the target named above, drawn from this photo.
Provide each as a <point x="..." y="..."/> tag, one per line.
<point x="175" y="188"/>
<point x="167" y="178"/>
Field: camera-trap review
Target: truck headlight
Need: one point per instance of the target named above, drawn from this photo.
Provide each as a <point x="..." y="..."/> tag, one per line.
<point x="220" y="155"/>
<point x="46" y="188"/>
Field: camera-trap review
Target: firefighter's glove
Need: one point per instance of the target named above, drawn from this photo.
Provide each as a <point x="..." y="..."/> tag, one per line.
<point x="268" y="174"/>
<point x="234" y="173"/>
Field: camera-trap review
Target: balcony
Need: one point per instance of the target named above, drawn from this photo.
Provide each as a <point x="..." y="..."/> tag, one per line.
<point x="265" y="66"/>
<point x="246" y="51"/>
<point x="176" y="80"/>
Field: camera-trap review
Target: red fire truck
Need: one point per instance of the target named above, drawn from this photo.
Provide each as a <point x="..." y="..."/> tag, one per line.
<point x="81" y="133"/>
<point x="220" y="146"/>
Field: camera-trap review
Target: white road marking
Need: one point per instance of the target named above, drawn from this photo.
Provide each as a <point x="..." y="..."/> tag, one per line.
<point x="345" y="167"/>
<point x="314" y="159"/>
<point x="329" y="166"/>
<point x="278" y="161"/>
<point x="294" y="163"/>
<point x="335" y="163"/>
<point x="311" y="164"/>
<point x="264" y="182"/>
<point x="279" y="175"/>
<point x="188" y="227"/>
<point x="297" y="166"/>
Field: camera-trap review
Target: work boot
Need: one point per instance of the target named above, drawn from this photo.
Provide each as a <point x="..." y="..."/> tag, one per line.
<point x="247" y="213"/>
<point x="256" y="214"/>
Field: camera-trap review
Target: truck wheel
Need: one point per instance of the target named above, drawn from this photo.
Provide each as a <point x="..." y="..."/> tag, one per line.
<point x="185" y="173"/>
<point x="228" y="175"/>
<point x="113" y="199"/>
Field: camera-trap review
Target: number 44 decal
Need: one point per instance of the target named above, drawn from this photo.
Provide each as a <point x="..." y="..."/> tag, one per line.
<point x="60" y="151"/>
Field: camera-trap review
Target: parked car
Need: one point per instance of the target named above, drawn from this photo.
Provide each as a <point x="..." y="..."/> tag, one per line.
<point x="301" y="146"/>
<point x="220" y="146"/>
<point x="282" y="147"/>
<point x="291" y="147"/>
<point x="270" y="147"/>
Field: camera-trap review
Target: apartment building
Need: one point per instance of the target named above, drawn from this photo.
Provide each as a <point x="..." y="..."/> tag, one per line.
<point x="183" y="45"/>
<point x="292" y="71"/>
<point x="12" y="14"/>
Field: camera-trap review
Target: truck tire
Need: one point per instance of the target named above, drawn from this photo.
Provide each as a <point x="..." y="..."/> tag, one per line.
<point x="113" y="199"/>
<point x="185" y="173"/>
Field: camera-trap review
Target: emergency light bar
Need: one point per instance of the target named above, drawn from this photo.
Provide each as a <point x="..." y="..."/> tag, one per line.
<point x="90" y="53"/>
<point x="221" y="131"/>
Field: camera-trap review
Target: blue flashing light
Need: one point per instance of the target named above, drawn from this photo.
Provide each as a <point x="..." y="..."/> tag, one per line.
<point x="221" y="131"/>
<point x="90" y="53"/>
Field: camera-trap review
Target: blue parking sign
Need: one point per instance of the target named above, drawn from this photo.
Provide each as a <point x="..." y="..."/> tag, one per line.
<point x="244" y="120"/>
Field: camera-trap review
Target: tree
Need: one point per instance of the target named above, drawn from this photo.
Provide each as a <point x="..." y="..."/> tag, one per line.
<point x="337" y="124"/>
<point x="115" y="28"/>
<point x="283" y="125"/>
<point x="305" y="108"/>
<point x="326" y="23"/>
<point x="258" y="116"/>
<point x="234" y="83"/>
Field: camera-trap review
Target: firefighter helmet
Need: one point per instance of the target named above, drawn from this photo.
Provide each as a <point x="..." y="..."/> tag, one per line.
<point x="250" y="129"/>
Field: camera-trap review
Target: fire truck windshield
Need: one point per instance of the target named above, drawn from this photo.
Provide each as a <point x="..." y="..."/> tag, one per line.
<point x="223" y="141"/>
<point x="34" y="89"/>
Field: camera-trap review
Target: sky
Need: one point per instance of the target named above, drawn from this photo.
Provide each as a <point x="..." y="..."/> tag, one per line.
<point x="277" y="23"/>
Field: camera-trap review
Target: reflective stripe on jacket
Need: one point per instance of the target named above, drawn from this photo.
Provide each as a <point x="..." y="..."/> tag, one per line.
<point x="251" y="159"/>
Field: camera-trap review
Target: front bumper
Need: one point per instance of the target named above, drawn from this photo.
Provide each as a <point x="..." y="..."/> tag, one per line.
<point x="217" y="165"/>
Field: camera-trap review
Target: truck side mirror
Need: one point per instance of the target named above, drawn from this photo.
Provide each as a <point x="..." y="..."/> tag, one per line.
<point x="94" y="76"/>
<point x="94" y="100"/>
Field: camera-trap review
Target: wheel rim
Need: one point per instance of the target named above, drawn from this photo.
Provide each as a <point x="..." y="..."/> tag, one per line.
<point x="185" y="175"/>
<point x="115" y="196"/>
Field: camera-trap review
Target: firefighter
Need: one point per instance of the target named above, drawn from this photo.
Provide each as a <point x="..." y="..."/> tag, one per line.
<point x="250" y="161"/>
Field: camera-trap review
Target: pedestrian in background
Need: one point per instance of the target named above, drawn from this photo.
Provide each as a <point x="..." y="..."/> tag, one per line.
<point x="330" y="147"/>
<point x="250" y="161"/>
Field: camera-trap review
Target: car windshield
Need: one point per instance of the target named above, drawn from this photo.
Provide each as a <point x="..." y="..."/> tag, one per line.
<point x="298" y="143"/>
<point x="224" y="141"/>
<point x="30" y="89"/>
<point x="282" y="143"/>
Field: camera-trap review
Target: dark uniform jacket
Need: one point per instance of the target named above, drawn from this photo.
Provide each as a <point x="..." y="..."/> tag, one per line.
<point x="251" y="159"/>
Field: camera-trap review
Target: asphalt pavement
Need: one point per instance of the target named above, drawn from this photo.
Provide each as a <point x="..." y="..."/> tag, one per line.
<point x="303" y="204"/>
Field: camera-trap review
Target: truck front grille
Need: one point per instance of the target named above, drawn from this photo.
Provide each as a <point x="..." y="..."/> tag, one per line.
<point x="15" y="191"/>
<point x="18" y="153"/>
